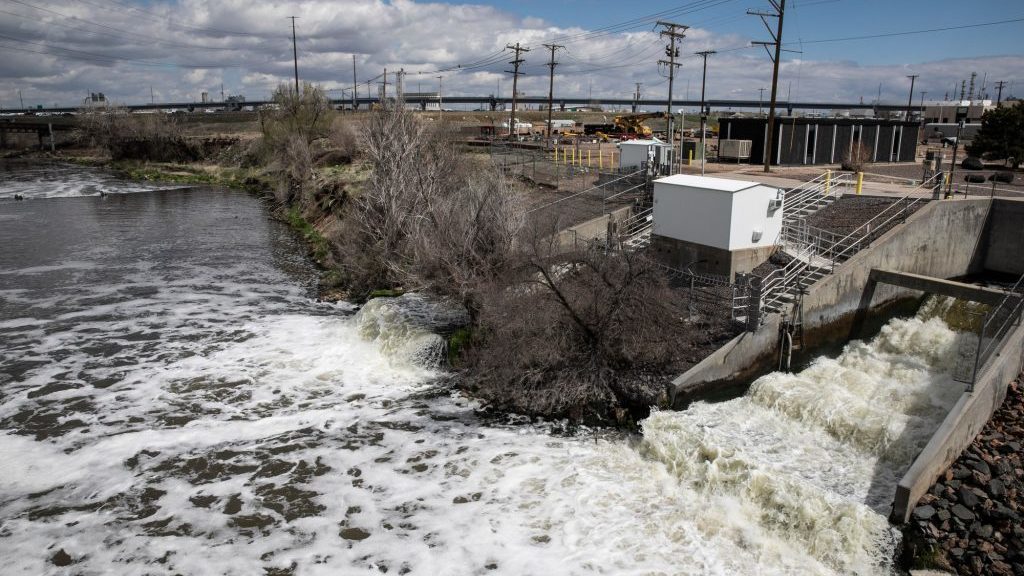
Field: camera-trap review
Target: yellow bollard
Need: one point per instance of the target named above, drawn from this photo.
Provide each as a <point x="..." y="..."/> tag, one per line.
<point x="600" y="160"/>
<point x="689" y="161"/>
<point x="556" y="154"/>
<point x="828" y="181"/>
<point x="588" y="158"/>
<point x="860" y="182"/>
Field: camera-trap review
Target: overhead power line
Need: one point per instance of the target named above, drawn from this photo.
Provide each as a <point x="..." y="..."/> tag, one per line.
<point x="911" y="32"/>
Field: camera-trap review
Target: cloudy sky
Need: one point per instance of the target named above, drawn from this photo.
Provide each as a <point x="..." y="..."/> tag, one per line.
<point x="57" y="51"/>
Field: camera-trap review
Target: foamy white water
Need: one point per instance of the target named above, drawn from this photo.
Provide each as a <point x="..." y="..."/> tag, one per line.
<point x="66" y="181"/>
<point x="173" y="402"/>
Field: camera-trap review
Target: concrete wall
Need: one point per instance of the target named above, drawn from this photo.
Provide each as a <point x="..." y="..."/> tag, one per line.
<point x="942" y="240"/>
<point x="1004" y="246"/>
<point x="593" y="229"/>
<point x="681" y="254"/>
<point x="963" y="423"/>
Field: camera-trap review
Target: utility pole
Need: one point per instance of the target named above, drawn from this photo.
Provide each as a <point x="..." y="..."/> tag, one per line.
<point x="703" y="107"/>
<point x="295" y="57"/>
<point x="21" y="100"/>
<point x="440" y="102"/>
<point x="384" y="89"/>
<point x="760" y="100"/>
<point x="636" y="102"/>
<point x="355" y="84"/>
<point x="152" y="98"/>
<point x="999" y="93"/>
<point x="910" y="100"/>
<point x="779" y="14"/>
<point x="674" y="32"/>
<point x="515" y="82"/>
<point x="400" y="84"/>
<point x="551" y="83"/>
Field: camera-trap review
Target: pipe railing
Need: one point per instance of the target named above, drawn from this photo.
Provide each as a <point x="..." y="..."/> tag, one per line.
<point x="974" y="355"/>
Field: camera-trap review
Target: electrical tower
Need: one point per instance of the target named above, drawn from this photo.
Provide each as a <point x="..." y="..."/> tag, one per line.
<point x="636" y="99"/>
<point x="779" y="14"/>
<point x="551" y="83"/>
<point x="515" y="81"/>
<point x="674" y="32"/>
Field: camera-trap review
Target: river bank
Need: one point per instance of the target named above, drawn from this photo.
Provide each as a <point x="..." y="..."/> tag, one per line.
<point x="970" y="522"/>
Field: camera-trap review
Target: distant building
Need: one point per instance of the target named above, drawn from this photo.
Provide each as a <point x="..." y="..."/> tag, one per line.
<point x="95" y="99"/>
<point x="953" y="111"/>
<point x="810" y="141"/>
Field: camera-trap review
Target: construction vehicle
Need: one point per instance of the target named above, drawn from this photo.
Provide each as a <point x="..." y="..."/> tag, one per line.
<point x="632" y="125"/>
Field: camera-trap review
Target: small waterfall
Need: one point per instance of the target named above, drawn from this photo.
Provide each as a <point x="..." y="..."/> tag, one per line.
<point x="409" y="329"/>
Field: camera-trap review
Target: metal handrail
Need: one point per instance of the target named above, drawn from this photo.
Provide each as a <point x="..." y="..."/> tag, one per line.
<point x="871" y="225"/>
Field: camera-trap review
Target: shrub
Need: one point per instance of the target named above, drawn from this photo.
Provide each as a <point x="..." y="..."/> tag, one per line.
<point x="858" y="157"/>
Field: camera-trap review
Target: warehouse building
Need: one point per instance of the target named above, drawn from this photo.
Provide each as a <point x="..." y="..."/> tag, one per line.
<point x="823" y="140"/>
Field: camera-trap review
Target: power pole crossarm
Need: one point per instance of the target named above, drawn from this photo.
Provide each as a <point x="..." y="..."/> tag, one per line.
<point x="674" y="32"/>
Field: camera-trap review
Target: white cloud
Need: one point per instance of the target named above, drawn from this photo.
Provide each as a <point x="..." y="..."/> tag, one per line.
<point x="248" y="46"/>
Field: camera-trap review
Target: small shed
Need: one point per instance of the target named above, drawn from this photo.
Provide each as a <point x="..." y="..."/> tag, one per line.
<point x="715" y="225"/>
<point x="634" y="153"/>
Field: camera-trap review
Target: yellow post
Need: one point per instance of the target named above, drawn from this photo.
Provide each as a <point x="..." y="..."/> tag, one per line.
<point x="860" y="182"/>
<point x="600" y="159"/>
<point x="555" y="150"/>
<point x="588" y="158"/>
<point x="565" y="154"/>
<point x="689" y="161"/>
<point x="828" y="181"/>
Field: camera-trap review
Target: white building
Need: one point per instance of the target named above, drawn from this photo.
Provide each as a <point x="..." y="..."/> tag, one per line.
<point x="634" y="153"/>
<point x="715" y="225"/>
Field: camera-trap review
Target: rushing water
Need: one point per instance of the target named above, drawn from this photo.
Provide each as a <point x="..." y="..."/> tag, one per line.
<point x="172" y="400"/>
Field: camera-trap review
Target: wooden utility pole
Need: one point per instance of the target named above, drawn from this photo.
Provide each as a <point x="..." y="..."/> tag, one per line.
<point x="355" y="84"/>
<point x="515" y="80"/>
<point x="674" y="32"/>
<point x="703" y="107"/>
<point x="999" y="94"/>
<point x="295" y="57"/>
<point x="910" y="100"/>
<point x="780" y="12"/>
<point x="551" y="83"/>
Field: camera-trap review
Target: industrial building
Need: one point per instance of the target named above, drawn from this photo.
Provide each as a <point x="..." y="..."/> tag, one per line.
<point x="715" y="225"/>
<point x="823" y="140"/>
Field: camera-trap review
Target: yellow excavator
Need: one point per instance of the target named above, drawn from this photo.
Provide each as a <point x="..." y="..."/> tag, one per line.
<point x="632" y="125"/>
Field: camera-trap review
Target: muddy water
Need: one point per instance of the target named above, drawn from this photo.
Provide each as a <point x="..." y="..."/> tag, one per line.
<point x="173" y="401"/>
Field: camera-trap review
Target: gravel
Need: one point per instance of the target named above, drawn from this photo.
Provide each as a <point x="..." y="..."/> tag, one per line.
<point x="971" y="521"/>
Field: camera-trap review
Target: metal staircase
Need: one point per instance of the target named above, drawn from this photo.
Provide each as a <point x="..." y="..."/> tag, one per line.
<point x="814" y="252"/>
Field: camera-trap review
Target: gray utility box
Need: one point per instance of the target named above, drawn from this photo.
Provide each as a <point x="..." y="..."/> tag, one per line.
<point x="734" y="149"/>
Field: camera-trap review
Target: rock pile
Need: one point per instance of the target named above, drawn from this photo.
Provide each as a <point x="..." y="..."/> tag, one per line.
<point x="972" y="519"/>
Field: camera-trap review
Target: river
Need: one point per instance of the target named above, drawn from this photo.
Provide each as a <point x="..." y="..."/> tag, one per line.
<point x="173" y="400"/>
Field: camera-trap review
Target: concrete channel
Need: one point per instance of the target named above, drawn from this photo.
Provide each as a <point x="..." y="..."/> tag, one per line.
<point x="943" y="240"/>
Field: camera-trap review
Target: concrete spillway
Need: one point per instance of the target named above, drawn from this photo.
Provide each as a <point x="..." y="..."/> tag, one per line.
<point x="945" y="239"/>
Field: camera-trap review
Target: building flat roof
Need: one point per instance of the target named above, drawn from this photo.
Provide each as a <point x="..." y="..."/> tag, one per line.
<point x="639" y="142"/>
<point x="707" y="182"/>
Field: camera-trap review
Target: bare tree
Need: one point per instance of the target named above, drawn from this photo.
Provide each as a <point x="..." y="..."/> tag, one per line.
<point x="426" y="219"/>
<point x="586" y="334"/>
